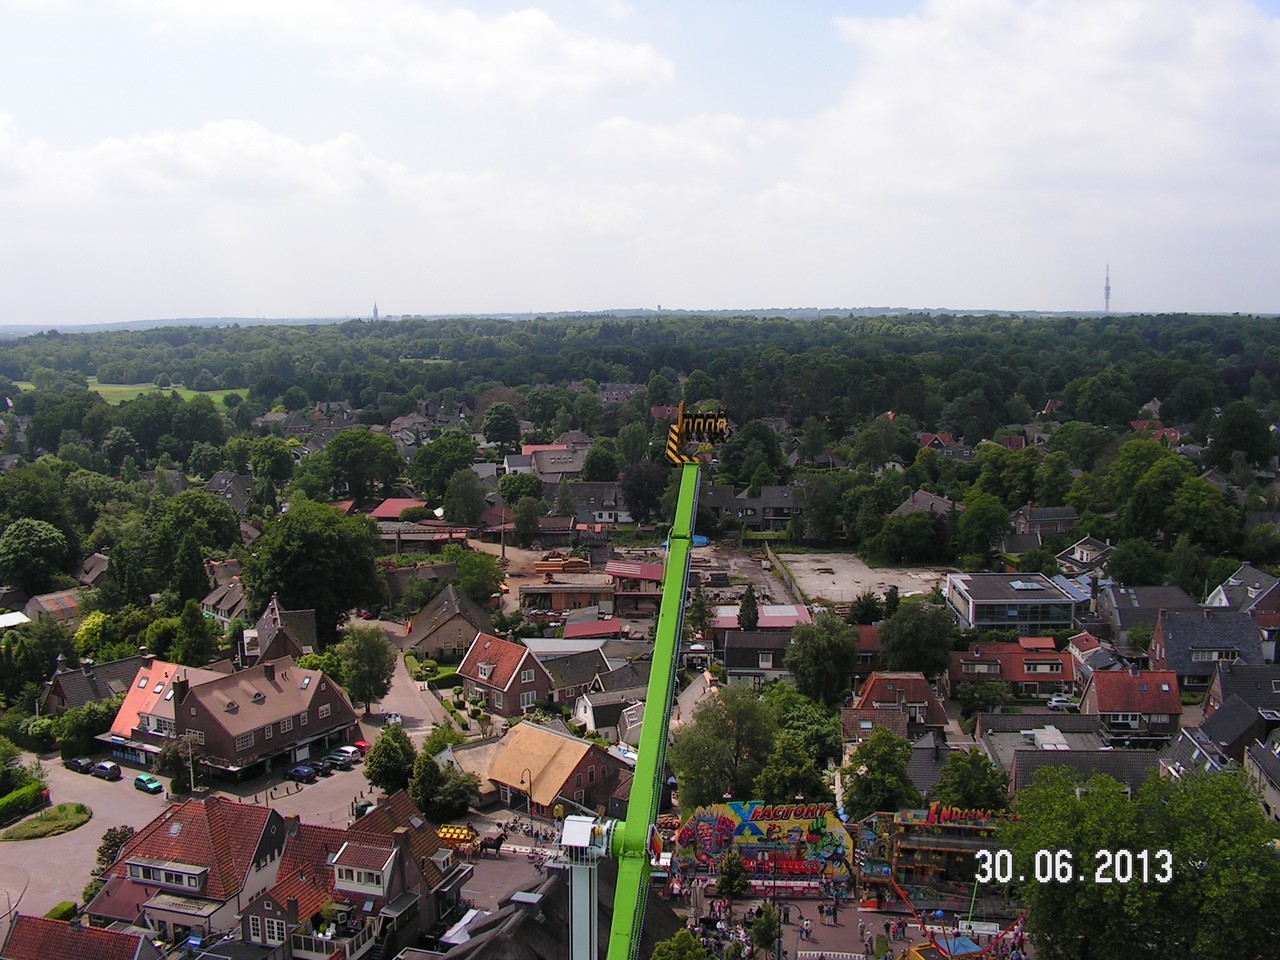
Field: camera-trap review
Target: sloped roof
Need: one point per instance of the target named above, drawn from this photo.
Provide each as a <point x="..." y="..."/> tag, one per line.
<point x="1247" y="586"/>
<point x="634" y="570"/>
<point x="1131" y="767"/>
<point x="1210" y="629"/>
<point x="742" y="648"/>
<point x="771" y="616"/>
<point x="380" y="823"/>
<point x="61" y="605"/>
<point x="852" y="720"/>
<point x="102" y="681"/>
<point x="305" y="872"/>
<point x="502" y="656"/>
<point x="235" y="703"/>
<point x="440" y="610"/>
<point x="1233" y="722"/>
<point x="227" y="599"/>
<point x="1258" y="684"/>
<point x="574" y="669"/>
<point x="608" y="627"/>
<point x="208" y="831"/>
<point x="39" y="938"/>
<point x="392" y="507"/>
<point x="922" y="501"/>
<point x="1119" y="691"/>
<point x="550" y="758"/>
<point x="285" y="633"/>
<point x="929" y="755"/>
<point x="94" y="566"/>
<point x="892" y="687"/>
<point x="152" y="685"/>
<point x="633" y="673"/>
<point x="1267" y="757"/>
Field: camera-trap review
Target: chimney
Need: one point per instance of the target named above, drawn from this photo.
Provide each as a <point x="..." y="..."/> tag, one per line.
<point x="180" y="687"/>
<point x="74" y="923"/>
<point x="269" y="672"/>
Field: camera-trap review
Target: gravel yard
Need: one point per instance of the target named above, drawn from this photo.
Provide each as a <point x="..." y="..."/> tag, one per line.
<point x="840" y="577"/>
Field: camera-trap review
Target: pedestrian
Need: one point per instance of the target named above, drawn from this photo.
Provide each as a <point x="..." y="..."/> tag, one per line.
<point x="786" y="913"/>
<point x="862" y="929"/>
<point x="806" y="929"/>
<point x="887" y="927"/>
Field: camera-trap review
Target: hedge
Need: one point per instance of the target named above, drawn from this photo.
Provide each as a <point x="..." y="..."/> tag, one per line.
<point x="22" y="801"/>
<point x="66" y="910"/>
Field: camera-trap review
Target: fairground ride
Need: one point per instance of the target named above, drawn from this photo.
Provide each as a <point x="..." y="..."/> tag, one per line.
<point x="632" y="842"/>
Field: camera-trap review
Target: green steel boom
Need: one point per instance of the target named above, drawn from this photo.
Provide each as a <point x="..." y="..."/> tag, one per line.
<point x="631" y="838"/>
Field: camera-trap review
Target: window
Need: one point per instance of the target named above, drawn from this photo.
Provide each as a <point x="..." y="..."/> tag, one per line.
<point x="244" y="741"/>
<point x="302" y="719"/>
<point x="485" y="670"/>
<point x="275" y="930"/>
<point x="528" y="699"/>
<point x="577" y="779"/>
<point x="306" y="682"/>
<point x="346" y="873"/>
<point x="196" y="735"/>
<point x="255" y="928"/>
<point x="286" y="724"/>
<point x="142" y="682"/>
<point x="526" y="676"/>
<point x="504" y="793"/>
<point x="497" y="699"/>
<point x="766" y="661"/>
<point x="266" y="735"/>
<point x="591" y="773"/>
<point x="323" y="712"/>
<point x="1158" y="718"/>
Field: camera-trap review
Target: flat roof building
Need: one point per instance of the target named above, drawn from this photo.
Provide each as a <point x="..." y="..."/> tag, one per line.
<point x="1030" y="603"/>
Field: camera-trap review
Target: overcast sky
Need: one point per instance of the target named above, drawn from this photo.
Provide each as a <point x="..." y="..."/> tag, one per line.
<point x="296" y="158"/>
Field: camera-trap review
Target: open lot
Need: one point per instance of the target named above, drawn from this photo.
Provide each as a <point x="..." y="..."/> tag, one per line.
<point x="840" y="577"/>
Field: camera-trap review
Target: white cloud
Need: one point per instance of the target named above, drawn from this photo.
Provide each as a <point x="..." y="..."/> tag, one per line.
<point x="522" y="56"/>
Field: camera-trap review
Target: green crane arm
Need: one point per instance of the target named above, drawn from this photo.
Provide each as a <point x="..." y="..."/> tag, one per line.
<point x="631" y="839"/>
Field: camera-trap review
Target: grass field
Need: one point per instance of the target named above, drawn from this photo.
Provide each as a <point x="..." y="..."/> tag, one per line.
<point x="60" y="819"/>
<point x="115" y="393"/>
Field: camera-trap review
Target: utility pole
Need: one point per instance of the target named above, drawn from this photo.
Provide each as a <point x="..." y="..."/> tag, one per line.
<point x="1106" y="291"/>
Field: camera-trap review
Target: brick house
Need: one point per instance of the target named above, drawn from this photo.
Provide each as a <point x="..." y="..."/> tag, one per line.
<point x="545" y="767"/>
<point x="908" y="692"/>
<point x="1031" y="667"/>
<point x="1138" y="708"/>
<point x="1192" y="644"/>
<point x="505" y="676"/>
<point x="571" y="674"/>
<point x="755" y="656"/>
<point x="39" y="938"/>
<point x="69" y="689"/>
<point x="193" y="868"/>
<point x="446" y="626"/>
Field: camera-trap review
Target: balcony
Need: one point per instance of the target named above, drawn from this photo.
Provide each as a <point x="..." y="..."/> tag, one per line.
<point x="353" y="943"/>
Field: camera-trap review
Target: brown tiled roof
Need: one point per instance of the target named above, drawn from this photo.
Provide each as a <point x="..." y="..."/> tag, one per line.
<point x="150" y="687"/>
<point x="285" y="696"/>
<point x="365" y="855"/>
<point x="890" y="718"/>
<point x="550" y="758"/>
<point x="885" y="687"/>
<point x="39" y="938"/>
<point x="211" y="832"/>
<point x="395" y="811"/>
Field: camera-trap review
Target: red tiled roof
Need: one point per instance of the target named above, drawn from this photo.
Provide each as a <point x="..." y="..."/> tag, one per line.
<point x="392" y="507"/>
<point x="1118" y="691"/>
<point x="611" y="627"/>
<point x="211" y="832"/>
<point x="397" y="810"/>
<point x="305" y="873"/>
<point x="364" y="855"/>
<point x="634" y="570"/>
<point x="38" y="938"/>
<point x="890" y="687"/>
<point x="1036" y="643"/>
<point x="1084" y="642"/>
<point x="503" y="656"/>
<point x="868" y="637"/>
<point x="152" y="683"/>
<point x="529" y="449"/>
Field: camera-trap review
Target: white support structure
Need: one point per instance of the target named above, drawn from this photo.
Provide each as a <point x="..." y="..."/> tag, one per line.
<point x="583" y="842"/>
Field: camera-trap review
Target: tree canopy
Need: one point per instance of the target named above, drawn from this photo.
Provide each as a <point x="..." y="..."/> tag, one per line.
<point x="724" y="747"/>
<point x="917" y="637"/>
<point x="876" y="778"/>
<point x="368" y="662"/>
<point x="821" y="658"/>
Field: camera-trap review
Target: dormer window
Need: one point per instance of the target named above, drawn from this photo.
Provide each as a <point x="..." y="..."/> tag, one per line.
<point x="485" y="670"/>
<point x="257" y="697"/>
<point x="231" y="706"/>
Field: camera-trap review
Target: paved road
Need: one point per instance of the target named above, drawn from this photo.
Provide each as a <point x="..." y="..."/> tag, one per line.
<point x="55" y="869"/>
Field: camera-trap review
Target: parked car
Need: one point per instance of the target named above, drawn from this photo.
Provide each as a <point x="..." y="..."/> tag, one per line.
<point x="362" y="807"/>
<point x="341" y="760"/>
<point x="302" y="774"/>
<point x="323" y="765"/>
<point x="393" y="720"/>
<point x="107" y="770"/>
<point x="1061" y="701"/>
<point x="350" y="752"/>
<point x="78" y="764"/>
<point x="362" y="746"/>
<point x="146" y="782"/>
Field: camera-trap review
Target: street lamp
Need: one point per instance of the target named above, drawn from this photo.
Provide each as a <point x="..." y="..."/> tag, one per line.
<point x="528" y="792"/>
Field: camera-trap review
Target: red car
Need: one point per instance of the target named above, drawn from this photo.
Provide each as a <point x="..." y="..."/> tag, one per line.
<point x="362" y="746"/>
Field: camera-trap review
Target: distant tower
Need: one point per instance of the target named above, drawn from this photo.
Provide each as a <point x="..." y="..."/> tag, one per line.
<point x="1106" y="293"/>
<point x="375" y="306"/>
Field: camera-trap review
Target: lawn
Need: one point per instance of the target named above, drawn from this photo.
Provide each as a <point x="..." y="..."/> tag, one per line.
<point x="115" y="393"/>
<point x="63" y="818"/>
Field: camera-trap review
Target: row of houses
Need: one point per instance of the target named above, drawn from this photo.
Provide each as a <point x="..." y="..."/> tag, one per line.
<point x="286" y="889"/>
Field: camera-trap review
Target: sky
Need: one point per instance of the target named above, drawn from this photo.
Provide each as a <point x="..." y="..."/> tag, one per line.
<point x="310" y="158"/>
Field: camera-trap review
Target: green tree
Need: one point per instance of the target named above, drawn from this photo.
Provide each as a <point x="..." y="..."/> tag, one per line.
<point x="178" y="758"/>
<point x="1243" y="428"/>
<point x="513" y="487"/>
<point x="970" y="781"/>
<point x="190" y="581"/>
<point x="917" y="637"/>
<point x="464" y="498"/>
<point x="1053" y="479"/>
<point x="1199" y="511"/>
<point x="441" y="793"/>
<point x="821" y="658"/>
<point x="1107" y="398"/>
<point x="368" y="661"/>
<point x="314" y="558"/>
<point x="271" y="462"/>
<point x="524" y="518"/>
<point x="731" y="876"/>
<point x="328" y="663"/>
<point x="816" y="726"/>
<point x="109" y="848"/>
<point x="479" y="573"/>
<point x="601" y="464"/>
<point x="867" y="608"/>
<point x="565" y="506"/>
<point x="1211" y="896"/>
<point x="748" y="610"/>
<point x="766" y="931"/>
<point x="876" y="778"/>
<point x="360" y="458"/>
<point x="501" y="425"/>
<point x="1136" y="563"/>
<point x="790" y="771"/>
<point x="213" y="523"/>
<point x="983" y="522"/>
<point x="197" y="640"/>
<point x="682" y="946"/>
<point x="389" y="764"/>
<point x="724" y="747"/>
<point x="642" y="487"/>
<point x="436" y="463"/>
<point x="633" y="444"/>
<point x="983" y="697"/>
<point x="32" y="554"/>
